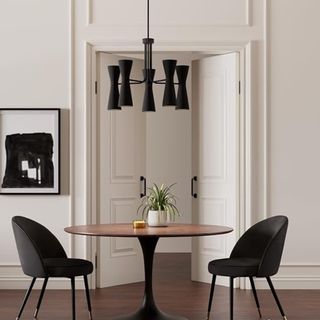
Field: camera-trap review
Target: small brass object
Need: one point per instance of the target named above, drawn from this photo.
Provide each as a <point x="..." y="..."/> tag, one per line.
<point x="139" y="224"/>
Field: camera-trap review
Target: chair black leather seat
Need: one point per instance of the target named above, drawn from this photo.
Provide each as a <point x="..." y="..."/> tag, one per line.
<point x="234" y="267"/>
<point x="67" y="267"/>
<point x="42" y="256"/>
<point x="256" y="254"/>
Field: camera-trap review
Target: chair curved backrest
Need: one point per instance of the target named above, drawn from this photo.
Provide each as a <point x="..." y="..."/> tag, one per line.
<point x="264" y="241"/>
<point x="35" y="243"/>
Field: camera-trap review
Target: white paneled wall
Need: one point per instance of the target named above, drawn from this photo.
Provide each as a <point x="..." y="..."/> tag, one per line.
<point x="34" y="72"/>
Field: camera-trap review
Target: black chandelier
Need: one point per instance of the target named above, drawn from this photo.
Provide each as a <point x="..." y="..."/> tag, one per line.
<point x="124" y="99"/>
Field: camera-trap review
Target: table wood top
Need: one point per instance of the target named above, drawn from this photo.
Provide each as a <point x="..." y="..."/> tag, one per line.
<point x="127" y="230"/>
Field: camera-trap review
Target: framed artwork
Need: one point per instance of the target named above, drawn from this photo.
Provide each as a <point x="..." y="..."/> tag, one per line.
<point x="29" y="151"/>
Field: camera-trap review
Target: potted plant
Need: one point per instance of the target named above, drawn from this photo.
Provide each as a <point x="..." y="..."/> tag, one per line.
<point x="159" y="206"/>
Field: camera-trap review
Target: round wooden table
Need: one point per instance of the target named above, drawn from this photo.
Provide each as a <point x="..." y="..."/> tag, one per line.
<point x="148" y="238"/>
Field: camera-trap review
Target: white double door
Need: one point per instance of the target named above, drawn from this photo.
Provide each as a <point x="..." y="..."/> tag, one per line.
<point x="215" y="149"/>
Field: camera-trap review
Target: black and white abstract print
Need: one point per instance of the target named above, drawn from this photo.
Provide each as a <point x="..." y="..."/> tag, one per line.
<point x="29" y="161"/>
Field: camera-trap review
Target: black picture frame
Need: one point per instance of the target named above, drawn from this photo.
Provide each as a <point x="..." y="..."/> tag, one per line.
<point x="30" y="151"/>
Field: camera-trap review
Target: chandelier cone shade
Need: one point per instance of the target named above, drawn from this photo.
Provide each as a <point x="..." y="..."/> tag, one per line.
<point x="182" y="95"/>
<point x="122" y="72"/>
<point x="169" y="96"/>
<point x="114" y="73"/>
<point x="125" y="98"/>
<point x="148" y="99"/>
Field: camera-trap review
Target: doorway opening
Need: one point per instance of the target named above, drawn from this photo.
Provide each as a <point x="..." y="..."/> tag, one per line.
<point x="170" y="147"/>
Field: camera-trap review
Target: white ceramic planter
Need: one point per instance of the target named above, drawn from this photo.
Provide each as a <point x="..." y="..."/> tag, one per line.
<point x="157" y="218"/>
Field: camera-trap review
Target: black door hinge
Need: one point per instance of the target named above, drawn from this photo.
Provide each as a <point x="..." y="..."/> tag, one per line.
<point x="239" y="87"/>
<point x="96" y="87"/>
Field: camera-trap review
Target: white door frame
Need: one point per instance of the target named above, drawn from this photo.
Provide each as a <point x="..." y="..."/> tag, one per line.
<point x="245" y="114"/>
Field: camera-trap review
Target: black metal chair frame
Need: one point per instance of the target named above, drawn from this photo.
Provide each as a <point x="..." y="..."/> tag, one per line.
<point x="269" y="251"/>
<point x="36" y="268"/>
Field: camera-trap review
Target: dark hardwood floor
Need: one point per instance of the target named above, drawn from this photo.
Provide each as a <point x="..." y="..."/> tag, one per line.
<point x="175" y="294"/>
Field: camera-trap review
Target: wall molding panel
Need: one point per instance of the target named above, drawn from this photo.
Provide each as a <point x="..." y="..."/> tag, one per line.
<point x="213" y="13"/>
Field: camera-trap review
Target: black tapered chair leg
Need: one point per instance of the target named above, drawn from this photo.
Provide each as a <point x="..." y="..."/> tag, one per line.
<point x="255" y="295"/>
<point x="276" y="298"/>
<point x="213" y="282"/>
<point x="40" y="297"/>
<point x="231" y="298"/>
<point x="73" y="289"/>
<point x="26" y="297"/>
<point x="85" y="278"/>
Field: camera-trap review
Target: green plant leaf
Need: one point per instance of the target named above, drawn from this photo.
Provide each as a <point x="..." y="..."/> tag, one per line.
<point x="159" y="198"/>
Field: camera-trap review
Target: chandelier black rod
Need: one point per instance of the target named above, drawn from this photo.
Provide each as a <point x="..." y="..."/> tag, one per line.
<point x="148" y="16"/>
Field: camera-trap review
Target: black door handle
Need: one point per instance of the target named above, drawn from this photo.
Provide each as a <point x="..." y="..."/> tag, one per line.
<point x="193" y="194"/>
<point x="144" y="181"/>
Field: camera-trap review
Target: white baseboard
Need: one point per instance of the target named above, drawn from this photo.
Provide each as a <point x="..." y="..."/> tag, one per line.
<point x="293" y="276"/>
<point x="12" y="277"/>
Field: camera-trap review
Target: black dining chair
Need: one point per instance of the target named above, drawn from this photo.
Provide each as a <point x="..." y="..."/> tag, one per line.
<point x="256" y="254"/>
<point x="42" y="256"/>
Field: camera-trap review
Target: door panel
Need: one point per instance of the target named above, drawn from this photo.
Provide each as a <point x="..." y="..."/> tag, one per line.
<point x="121" y="163"/>
<point x="215" y="151"/>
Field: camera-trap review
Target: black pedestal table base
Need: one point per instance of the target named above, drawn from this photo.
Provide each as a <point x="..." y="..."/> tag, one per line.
<point x="149" y="309"/>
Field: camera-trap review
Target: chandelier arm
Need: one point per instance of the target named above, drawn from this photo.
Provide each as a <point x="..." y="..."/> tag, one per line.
<point x="133" y="81"/>
<point x="161" y="81"/>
